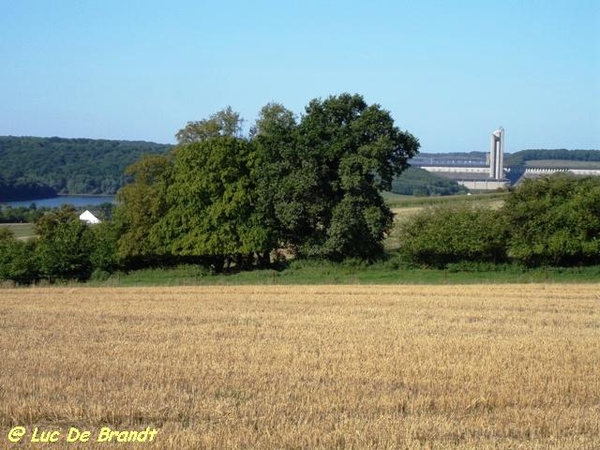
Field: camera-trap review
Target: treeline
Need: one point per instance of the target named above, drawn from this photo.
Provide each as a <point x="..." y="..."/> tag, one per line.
<point x="67" y="166"/>
<point x="521" y="157"/>
<point x="311" y="186"/>
<point x="552" y="221"/>
<point x="32" y="213"/>
<point x="419" y="182"/>
<point x="22" y="214"/>
<point x="308" y="186"/>
<point x="547" y="222"/>
<point x="66" y="249"/>
<point x="224" y="200"/>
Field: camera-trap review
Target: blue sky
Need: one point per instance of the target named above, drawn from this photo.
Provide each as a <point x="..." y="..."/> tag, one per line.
<point x="449" y="72"/>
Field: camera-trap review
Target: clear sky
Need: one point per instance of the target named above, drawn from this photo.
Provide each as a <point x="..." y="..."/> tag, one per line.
<point x="450" y="72"/>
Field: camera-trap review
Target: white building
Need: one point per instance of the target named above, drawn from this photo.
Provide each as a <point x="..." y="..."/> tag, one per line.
<point x="89" y="218"/>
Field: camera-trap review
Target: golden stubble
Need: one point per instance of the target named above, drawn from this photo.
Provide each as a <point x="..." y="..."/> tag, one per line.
<point x="307" y="367"/>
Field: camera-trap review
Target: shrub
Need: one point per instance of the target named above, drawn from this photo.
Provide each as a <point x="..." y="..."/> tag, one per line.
<point x="440" y="236"/>
<point x="64" y="246"/>
<point x="17" y="259"/>
<point x="555" y="221"/>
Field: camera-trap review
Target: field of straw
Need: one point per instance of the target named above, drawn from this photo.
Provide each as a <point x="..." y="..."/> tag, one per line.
<point x="301" y="367"/>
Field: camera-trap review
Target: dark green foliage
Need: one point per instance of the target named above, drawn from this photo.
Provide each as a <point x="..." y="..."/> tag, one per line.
<point x="520" y="158"/>
<point x="17" y="259"/>
<point x="6" y="234"/>
<point x="419" y="182"/>
<point x="66" y="249"/>
<point x="24" y="190"/>
<point x="312" y="187"/>
<point x="21" y="214"/>
<point x="35" y="167"/>
<point x="105" y="211"/>
<point x="357" y="229"/>
<point x="211" y="204"/>
<point x="104" y="238"/>
<point x="346" y="153"/>
<point x="440" y="236"/>
<point x="555" y="221"/>
<point x="142" y="204"/>
<point x="275" y="172"/>
<point x="64" y="246"/>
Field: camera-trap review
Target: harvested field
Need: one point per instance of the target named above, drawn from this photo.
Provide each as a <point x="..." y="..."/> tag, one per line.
<point x="304" y="367"/>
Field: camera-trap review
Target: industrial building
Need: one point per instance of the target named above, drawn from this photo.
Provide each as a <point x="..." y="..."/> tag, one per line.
<point x="474" y="174"/>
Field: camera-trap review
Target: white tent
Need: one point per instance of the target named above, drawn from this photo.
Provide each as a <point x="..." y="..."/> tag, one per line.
<point x="88" y="217"/>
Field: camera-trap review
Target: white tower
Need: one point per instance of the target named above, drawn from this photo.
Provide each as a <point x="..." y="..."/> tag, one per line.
<point x="497" y="154"/>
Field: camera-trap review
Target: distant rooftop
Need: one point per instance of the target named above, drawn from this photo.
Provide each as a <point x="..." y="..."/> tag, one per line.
<point x="439" y="160"/>
<point x="452" y="159"/>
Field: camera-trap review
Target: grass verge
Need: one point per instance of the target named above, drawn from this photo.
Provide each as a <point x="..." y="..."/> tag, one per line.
<point x="323" y="272"/>
<point x="396" y="201"/>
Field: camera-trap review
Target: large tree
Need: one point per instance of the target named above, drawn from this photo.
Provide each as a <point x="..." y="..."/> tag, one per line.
<point x="274" y="141"/>
<point x="211" y="204"/>
<point x="312" y="186"/>
<point x="141" y="205"/>
<point x="345" y="153"/>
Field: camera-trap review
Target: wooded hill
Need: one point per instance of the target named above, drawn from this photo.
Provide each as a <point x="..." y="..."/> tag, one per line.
<point x="31" y="165"/>
<point x="522" y="157"/>
<point x="37" y="167"/>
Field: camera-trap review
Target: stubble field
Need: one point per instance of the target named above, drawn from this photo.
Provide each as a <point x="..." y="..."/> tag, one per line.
<point x="303" y="367"/>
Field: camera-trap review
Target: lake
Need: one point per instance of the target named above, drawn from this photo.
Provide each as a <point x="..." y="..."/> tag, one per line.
<point x="55" y="202"/>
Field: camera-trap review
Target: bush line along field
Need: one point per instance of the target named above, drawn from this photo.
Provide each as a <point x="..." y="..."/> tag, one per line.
<point x="323" y="272"/>
<point x="306" y="367"/>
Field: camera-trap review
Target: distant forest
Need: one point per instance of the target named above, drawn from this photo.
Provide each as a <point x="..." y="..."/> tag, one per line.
<point x="34" y="167"/>
<point x="521" y="158"/>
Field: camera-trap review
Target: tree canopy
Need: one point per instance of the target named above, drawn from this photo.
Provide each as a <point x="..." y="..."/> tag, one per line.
<point x="226" y="122"/>
<point x="346" y="153"/>
<point x="142" y="205"/>
<point x="312" y="186"/>
<point x="211" y="204"/>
